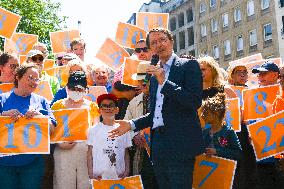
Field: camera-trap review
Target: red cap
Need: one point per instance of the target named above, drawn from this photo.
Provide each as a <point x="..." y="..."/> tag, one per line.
<point x="106" y="96"/>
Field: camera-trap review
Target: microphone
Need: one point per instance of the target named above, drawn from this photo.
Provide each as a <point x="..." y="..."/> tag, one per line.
<point x="154" y="61"/>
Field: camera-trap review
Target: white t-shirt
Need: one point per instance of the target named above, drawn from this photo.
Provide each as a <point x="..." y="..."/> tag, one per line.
<point x="108" y="154"/>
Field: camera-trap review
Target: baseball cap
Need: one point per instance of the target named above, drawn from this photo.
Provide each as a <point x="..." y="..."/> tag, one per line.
<point x="265" y="67"/>
<point x="77" y="79"/>
<point x="32" y="53"/>
<point x="107" y="96"/>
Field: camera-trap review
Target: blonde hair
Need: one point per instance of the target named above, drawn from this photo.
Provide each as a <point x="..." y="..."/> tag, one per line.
<point x="218" y="78"/>
<point x="76" y="62"/>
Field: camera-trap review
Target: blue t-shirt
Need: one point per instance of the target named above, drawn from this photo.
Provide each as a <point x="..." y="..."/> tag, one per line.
<point x="10" y="101"/>
<point x="61" y="93"/>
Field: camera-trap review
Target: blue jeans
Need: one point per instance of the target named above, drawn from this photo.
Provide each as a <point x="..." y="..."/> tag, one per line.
<point x="22" y="177"/>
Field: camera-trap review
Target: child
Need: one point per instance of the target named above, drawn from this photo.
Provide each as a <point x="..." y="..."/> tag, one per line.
<point x="220" y="140"/>
<point x="107" y="158"/>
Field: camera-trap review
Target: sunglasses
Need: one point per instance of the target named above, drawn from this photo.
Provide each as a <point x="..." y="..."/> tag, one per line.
<point x="36" y="58"/>
<point x="138" y="50"/>
<point x="13" y="66"/>
<point x="59" y="58"/>
<point x="105" y="106"/>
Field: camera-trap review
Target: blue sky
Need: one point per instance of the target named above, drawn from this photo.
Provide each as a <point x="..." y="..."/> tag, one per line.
<point x="99" y="18"/>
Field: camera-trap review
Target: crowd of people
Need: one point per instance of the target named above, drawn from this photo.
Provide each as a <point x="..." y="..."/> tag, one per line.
<point x="180" y="93"/>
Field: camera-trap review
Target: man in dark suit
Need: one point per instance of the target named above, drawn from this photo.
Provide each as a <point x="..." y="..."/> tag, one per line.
<point x="175" y="96"/>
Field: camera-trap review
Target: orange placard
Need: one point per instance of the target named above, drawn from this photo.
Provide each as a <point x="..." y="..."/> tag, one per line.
<point x="44" y="89"/>
<point x="233" y="114"/>
<point x="268" y="136"/>
<point x="213" y="172"/>
<point x="150" y="20"/>
<point x="8" y="23"/>
<point x="239" y="91"/>
<point x="258" y="102"/>
<point x="127" y="34"/>
<point x="133" y="182"/>
<point x="247" y="59"/>
<point x="25" y="136"/>
<point x="48" y="63"/>
<point x="112" y="54"/>
<point x="61" y="72"/>
<point x="95" y="91"/>
<point x="252" y="78"/>
<point x="72" y="125"/>
<point x="22" y="59"/>
<point x="5" y="87"/>
<point x="60" y="40"/>
<point x="130" y="68"/>
<point x="20" y="43"/>
<point x="146" y="133"/>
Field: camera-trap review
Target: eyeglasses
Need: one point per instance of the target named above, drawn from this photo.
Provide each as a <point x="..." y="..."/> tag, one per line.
<point x="162" y="40"/>
<point x="13" y="66"/>
<point x="239" y="72"/>
<point x="31" y="78"/>
<point x="138" y="50"/>
<point x="106" y="106"/>
<point x="59" y="58"/>
<point x="36" y="58"/>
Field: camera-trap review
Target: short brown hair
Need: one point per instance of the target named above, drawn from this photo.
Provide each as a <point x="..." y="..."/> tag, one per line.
<point x="161" y="30"/>
<point x="20" y="72"/>
<point x="76" y="41"/>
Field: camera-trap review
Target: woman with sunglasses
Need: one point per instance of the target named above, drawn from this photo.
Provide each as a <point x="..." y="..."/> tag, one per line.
<point x="70" y="158"/>
<point x="8" y="65"/>
<point x="24" y="171"/>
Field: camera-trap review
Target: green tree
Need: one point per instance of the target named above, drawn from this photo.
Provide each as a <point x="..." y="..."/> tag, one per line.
<point x="38" y="17"/>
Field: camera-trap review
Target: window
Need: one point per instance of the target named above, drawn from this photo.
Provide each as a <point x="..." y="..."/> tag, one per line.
<point x="190" y="36"/>
<point x="240" y="43"/>
<point x="281" y="3"/>
<point x="225" y="20"/>
<point x="212" y="3"/>
<point x="175" y="43"/>
<point x="252" y="38"/>
<point x="282" y="29"/>
<point x="203" y="31"/>
<point x="250" y="8"/>
<point x="181" y="19"/>
<point x="214" y="25"/>
<point x="202" y="7"/>
<point x="189" y="15"/>
<point x="265" y="4"/>
<point x="216" y="52"/>
<point x="267" y="32"/>
<point x="173" y="25"/>
<point x="237" y="14"/>
<point x="227" y="47"/>
<point x="181" y="40"/>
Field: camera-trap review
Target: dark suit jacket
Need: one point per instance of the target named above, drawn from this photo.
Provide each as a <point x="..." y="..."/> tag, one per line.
<point x="182" y="97"/>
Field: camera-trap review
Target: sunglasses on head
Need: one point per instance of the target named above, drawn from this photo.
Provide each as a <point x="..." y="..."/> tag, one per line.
<point x="105" y="106"/>
<point x="36" y="58"/>
<point x="138" y="50"/>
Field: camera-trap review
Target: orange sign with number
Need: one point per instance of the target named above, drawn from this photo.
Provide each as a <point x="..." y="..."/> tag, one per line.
<point x="133" y="182"/>
<point x="48" y="63"/>
<point x="268" y="136"/>
<point x="213" y="172"/>
<point x="20" y="43"/>
<point x="25" y="136"/>
<point x="95" y="91"/>
<point x="8" y="23"/>
<point x="258" y="102"/>
<point x="72" y="125"/>
<point x="112" y="54"/>
<point x="239" y="91"/>
<point x="247" y="59"/>
<point x="130" y="68"/>
<point x="5" y="87"/>
<point x="44" y="89"/>
<point x="60" y="40"/>
<point x="233" y="114"/>
<point x="61" y="72"/>
<point x="150" y="20"/>
<point x="127" y="34"/>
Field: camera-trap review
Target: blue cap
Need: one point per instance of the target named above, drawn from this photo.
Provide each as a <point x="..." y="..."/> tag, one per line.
<point x="265" y="67"/>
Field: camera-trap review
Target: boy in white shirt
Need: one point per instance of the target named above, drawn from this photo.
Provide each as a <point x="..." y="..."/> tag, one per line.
<point x="107" y="158"/>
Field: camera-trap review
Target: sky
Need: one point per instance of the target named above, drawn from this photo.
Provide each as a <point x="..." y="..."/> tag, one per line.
<point x="99" y="19"/>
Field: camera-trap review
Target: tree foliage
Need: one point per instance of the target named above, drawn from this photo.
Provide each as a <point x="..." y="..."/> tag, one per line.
<point x="38" y="17"/>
